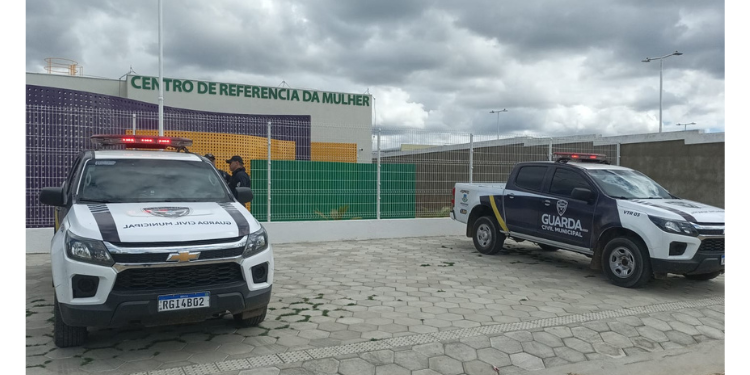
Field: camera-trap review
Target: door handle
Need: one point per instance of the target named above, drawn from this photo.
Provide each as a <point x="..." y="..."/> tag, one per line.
<point x="547" y="202"/>
<point x="511" y="196"/>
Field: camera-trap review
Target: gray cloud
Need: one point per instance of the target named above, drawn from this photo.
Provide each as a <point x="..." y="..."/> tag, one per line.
<point x="572" y="66"/>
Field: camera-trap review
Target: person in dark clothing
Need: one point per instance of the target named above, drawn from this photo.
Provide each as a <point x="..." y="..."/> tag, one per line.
<point x="223" y="174"/>
<point x="239" y="177"/>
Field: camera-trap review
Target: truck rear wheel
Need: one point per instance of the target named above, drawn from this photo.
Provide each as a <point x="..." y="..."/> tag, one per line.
<point x="64" y="335"/>
<point x="487" y="237"/>
<point x="626" y="262"/>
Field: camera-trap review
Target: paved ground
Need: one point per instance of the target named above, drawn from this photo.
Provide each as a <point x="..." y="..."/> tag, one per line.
<point x="416" y="306"/>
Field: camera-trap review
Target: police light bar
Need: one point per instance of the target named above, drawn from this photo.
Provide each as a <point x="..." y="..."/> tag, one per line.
<point x="579" y="156"/>
<point x="140" y="141"/>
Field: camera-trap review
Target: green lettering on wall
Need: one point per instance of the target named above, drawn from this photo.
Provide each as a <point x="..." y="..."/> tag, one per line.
<point x="315" y="97"/>
<point x="132" y="81"/>
<point x="155" y="83"/>
<point x="223" y="89"/>
<point x="306" y="96"/>
<point x="232" y="90"/>
<point x="272" y="93"/>
<point x="264" y="92"/>
<point x="295" y="96"/>
<point x="256" y="91"/>
<point x="285" y="92"/>
<point x="246" y="91"/>
<point x="367" y="101"/>
<point x="177" y="85"/>
<point x="337" y="98"/>
<point x="328" y="98"/>
<point x="212" y="88"/>
<point x="202" y="87"/>
<point x="167" y="81"/>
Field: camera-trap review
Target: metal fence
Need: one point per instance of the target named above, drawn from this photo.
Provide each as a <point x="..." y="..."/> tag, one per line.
<point x="301" y="170"/>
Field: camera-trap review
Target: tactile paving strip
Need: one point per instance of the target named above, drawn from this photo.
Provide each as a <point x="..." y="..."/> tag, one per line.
<point x="363" y="347"/>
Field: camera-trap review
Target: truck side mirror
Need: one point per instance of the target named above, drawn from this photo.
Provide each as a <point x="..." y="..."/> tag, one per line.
<point x="244" y="195"/>
<point x="52" y="196"/>
<point x="582" y="194"/>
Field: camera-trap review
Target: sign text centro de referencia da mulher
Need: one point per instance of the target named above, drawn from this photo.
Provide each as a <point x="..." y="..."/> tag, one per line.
<point x="247" y="91"/>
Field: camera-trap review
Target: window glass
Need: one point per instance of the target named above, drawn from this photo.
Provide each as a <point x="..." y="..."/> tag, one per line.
<point x="146" y="180"/>
<point x="628" y="184"/>
<point x="531" y="177"/>
<point x="564" y="181"/>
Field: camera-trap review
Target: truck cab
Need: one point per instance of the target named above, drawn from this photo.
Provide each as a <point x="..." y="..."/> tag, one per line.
<point x="629" y="225"/>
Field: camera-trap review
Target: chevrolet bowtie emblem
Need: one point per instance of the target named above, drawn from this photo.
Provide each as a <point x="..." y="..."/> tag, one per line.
<point x="183" y="256"/>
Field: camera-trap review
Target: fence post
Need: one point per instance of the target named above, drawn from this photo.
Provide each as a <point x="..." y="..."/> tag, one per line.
<point x="268" y="174"/>
<point x="618" y="154"/>
<point x="133" y="123"/>
<point x="549" y="153"/>
<point x="377" y="209"/>
<point x="471" y="158"/>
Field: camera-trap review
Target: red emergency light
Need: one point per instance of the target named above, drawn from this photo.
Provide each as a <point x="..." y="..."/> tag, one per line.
<point x="140" y="141"/>
<point x="579" y="156"/>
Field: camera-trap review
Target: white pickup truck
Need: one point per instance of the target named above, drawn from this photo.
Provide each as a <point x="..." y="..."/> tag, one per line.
<point x="629" y="225"/>
<point x="152" y="237"/>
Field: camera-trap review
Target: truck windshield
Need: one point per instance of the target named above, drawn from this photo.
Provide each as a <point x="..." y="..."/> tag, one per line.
<point x="627" y="184"/>
<point x="148" y="180"/>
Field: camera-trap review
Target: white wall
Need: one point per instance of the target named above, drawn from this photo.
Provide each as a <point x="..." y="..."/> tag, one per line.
<point x="38" y="239"/>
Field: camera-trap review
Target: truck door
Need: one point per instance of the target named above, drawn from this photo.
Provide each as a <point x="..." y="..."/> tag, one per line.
<point x="522" y="200"/>
<point x="563" y="218"/>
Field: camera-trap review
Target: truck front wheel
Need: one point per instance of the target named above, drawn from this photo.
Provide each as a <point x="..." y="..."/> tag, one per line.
<point x="251" y="318"/>
<point x="626" y="262"/>
<point x="64" y="335"/>
<point x="487" y="237"/>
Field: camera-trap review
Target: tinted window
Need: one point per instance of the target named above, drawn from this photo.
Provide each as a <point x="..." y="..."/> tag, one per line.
<point x="140" y="180"/>
<point x="564" y="181"/>
<point x="531" y="177"/>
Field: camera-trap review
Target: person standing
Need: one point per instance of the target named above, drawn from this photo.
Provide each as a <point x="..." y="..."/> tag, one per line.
<point x="223" y="174"/>
<point x="239" y="178"/>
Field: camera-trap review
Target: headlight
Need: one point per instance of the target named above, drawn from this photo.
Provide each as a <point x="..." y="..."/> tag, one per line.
<point x="87" y="250"/>
<point x="256" y="242"/>
<point x="674" y="226"/>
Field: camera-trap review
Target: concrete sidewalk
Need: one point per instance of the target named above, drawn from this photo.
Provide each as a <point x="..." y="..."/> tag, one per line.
<point x="421" y="306"/>
<point x="706" y="358"/>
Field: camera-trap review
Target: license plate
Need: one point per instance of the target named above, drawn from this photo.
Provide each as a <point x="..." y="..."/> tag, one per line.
<point x="722" y="260"/>
<point x="183" y="301"/>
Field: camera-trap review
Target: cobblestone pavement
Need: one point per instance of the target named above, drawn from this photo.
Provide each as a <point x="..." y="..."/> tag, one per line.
<point x="401" y="306"/>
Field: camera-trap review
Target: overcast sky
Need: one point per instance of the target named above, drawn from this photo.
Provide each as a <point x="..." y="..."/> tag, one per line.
<point x="558" y="67"/>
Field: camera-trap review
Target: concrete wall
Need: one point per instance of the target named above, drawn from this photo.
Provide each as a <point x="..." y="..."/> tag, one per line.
<point x="690" y="171"/>
<point x="111" y="87"/>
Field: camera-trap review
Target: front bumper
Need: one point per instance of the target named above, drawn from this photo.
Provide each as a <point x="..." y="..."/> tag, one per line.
<point x="702" y="262"/>
<point x="123" y="308"/>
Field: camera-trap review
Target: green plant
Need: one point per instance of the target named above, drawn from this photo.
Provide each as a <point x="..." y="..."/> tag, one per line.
<point x="337" y="214"/>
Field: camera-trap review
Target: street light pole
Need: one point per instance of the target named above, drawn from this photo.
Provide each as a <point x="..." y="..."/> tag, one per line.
<point x="661" y="70"/>
<point x="498" y="120"/>
<point x="686" y="125"/>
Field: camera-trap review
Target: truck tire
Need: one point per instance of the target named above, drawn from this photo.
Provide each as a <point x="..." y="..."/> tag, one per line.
<point x="252" y="321"/>
<point x="703" y="276"/>
<point x="487" y="237"/>
<point x="626" y="262"/>
<point x="66" y="336"/>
